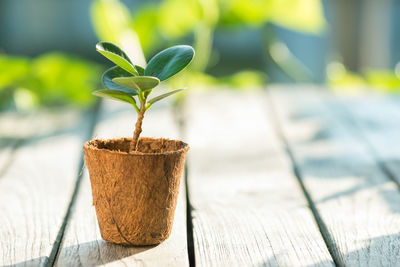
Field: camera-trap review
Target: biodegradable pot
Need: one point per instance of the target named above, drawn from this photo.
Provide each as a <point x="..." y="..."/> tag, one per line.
<point x="135" y="194"/>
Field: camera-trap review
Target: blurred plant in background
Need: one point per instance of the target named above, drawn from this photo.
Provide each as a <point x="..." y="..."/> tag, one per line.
<point x="341" y="79"/>
<point x="156" y="25"/>
<point x="305" y="16"/>
<point x="56" y="78"/>
<point x="52" y="79"/>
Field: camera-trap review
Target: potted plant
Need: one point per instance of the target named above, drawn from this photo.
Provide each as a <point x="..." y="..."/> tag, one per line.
<point x="135" y="181"/>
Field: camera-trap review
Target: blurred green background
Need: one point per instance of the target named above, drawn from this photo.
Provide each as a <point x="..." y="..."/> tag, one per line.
<point x="48" y="57"/>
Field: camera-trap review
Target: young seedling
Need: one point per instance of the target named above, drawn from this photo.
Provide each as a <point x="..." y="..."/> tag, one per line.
<point x="133" y="84"/>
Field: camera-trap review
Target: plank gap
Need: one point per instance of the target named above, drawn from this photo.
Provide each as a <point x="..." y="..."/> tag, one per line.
<point x="57" y="243"/>
<point x="329" y="242"/>
<point x="189" y="220"/>
<point x="180" y="120"/>
<point x="389" y="173"/>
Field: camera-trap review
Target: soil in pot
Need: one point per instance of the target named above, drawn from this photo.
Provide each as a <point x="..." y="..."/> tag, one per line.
<point x="135" y="194"/>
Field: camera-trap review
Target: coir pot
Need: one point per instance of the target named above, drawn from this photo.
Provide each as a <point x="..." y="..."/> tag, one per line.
<point x="135" y="194"/>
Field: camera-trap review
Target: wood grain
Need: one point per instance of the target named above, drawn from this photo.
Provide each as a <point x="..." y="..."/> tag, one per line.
<point x="82" y="244"/>
<point x="248" y="209"/>
<point x="36" y="187"/>
<point x="354" y="198"/>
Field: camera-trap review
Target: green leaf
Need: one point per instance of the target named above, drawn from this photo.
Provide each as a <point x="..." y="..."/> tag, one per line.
<point x="169" y="61"/>
<point x="140" y="70"/>
<point x="141" y="83"/>
<point x="115" y="72"/>
<point x="116" y="95"/>
<point x="116" y="55"/>
<point x="158" y="98"/>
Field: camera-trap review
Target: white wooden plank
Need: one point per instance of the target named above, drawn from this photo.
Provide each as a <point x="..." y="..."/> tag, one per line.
<point x="356" y="201"/>
<point x="248" y="209"/>
<point x="36" y="188"/>
<point x="15" y="128"/>
<point x="82" y="244"/>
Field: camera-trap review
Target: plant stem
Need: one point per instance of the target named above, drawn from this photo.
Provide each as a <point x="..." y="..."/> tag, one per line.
<point x="138" y="127"/>
<point x="136" y="107"/>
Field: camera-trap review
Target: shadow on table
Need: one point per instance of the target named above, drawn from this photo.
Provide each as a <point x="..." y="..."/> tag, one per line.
<point x="99" y="252"/>
<point x="378" y="251"/>
<point x="367" y="176"/>
<point x="30" y="263"/>
<point x="350" y="159"/>
<point x="92" y="253"/>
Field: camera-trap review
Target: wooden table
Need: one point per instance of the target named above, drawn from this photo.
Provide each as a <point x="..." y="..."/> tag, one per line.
<point x="288" y="176"/>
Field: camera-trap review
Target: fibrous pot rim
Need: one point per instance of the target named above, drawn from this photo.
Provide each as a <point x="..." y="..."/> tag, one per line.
<point x="92" y="145"/>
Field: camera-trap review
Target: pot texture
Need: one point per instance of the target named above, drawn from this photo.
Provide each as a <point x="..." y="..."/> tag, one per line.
<point x="135" y="194"/>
